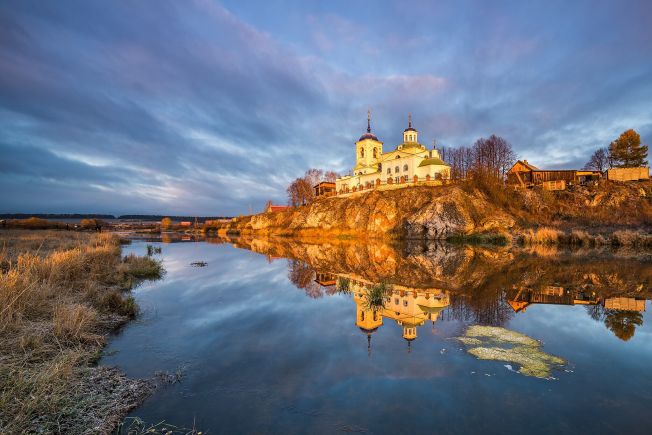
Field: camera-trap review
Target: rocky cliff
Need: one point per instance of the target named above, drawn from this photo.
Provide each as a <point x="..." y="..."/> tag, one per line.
<point x="458" y="211"/>
<point x="417" y="212"/>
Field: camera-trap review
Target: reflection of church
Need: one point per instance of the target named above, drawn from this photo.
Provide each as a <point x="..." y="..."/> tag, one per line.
<point x="408" y="307"/>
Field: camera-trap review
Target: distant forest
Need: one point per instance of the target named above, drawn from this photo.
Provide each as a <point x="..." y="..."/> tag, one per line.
<point x="142" y="217"/>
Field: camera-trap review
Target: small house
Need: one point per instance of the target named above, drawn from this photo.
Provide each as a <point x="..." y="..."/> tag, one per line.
<point x="524" y="174"/>
<point x="325" y="188"/>
<point x="271" y="208"/>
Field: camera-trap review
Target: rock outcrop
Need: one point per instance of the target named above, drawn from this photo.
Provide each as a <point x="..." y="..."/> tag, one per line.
<point x="417" y="212"/>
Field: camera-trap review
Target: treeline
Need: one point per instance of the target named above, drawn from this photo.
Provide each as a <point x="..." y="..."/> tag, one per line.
<point x="56" y="216"/>
<point x="491" y="157"/>
<point x="624" y="152"/>
<point x="156" y="218"/>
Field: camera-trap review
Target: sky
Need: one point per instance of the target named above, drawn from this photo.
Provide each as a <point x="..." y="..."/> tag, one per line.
<point x="211" y="108"/>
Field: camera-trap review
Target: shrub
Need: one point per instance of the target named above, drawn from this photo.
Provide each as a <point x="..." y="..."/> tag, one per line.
<point x="631" y="238"/>
<point x="579" y="237"/>
<point x="542" y="236"/>
<point x="115" y="302"/>
<point x="375" y="297"/>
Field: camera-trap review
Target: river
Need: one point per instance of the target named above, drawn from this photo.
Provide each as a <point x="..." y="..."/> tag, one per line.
<point x="287" y="337"/>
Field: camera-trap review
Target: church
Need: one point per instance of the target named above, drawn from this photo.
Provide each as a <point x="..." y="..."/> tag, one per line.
<point x="410" y="163"/>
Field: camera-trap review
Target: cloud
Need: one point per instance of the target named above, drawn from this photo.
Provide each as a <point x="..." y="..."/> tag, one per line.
<point x="209" y="108"/>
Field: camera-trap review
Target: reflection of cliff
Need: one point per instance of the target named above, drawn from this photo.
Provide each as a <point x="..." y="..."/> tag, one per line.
<point x="485" y="286"/>
<point x="421" y="266"/>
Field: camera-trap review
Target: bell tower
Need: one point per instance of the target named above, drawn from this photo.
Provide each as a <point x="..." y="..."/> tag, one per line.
<point x="410" y="135"/>
<point x="368" y="150"/>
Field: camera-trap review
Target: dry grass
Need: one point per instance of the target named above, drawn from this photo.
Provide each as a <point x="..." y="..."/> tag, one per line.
<point x="60" y="293"/>
<point x="542" y="236"/>
<point x="632" y="238"/>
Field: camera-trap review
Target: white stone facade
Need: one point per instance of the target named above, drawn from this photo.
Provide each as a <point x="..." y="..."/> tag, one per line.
<point x="407" y="164"/>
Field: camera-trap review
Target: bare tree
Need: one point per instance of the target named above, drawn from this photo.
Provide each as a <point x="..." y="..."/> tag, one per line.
<point x="599" y="161"/>
<point x="492" y="156"/>
<point x="301" y="192"/>
<point x="330" y="176"/>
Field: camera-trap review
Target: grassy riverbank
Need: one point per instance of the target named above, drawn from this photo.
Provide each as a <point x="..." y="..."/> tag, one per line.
<point x="61" y="293"/>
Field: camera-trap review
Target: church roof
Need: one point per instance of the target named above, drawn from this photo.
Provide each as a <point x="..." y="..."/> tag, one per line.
<point x="432" y="161"/>
<point x="368" y="135"/>
<point x="431" y="310"/>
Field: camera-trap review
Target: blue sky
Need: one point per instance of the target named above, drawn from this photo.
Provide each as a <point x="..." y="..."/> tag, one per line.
<point x="209" y="108"/>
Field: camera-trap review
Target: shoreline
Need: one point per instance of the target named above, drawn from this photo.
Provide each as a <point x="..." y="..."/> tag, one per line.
<point x="63" y="295"/>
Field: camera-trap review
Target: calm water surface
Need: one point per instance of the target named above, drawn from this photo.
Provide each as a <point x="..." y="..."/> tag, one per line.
<point x="276" y="345"/>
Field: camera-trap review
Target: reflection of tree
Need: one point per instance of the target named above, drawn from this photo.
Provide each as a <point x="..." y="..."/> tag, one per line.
<point x="484" y="309"/>
<point x="623" y="323"/>
<point x="597" y="312"/>
<point x="303" y="276"/>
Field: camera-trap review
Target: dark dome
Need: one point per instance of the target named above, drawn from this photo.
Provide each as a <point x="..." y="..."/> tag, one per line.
<point x="409" y="129"/>
<point x="368" y="136"/>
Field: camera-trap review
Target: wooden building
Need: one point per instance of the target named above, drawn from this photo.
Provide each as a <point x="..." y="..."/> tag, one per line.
<point x="271" y="208"/>
<point x="325" y="188"/>
<point x="524" y="174"/>
<point x="628" y="174"/>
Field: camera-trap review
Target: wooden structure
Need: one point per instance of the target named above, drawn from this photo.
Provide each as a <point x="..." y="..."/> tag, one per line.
<point x="625" y="304"/>
<point x="520" y="298"/>
<point x="628" y="174"/>
<point x="325" y="279"/>
<point x="271" y="208"/>
<point x="554" y="185"/>
<point x="523" y="174"/>
<point x="325" y="188"/>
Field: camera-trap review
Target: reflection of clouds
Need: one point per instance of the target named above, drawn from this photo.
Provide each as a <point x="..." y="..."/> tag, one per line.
<point x="258" y="351"/>
<point x="554" y="323"/>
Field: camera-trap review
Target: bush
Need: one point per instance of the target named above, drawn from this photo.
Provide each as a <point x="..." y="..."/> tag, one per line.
<point x="542" y="236"/>
<point x="631" y="238"/>
<point x="375" y="297"/>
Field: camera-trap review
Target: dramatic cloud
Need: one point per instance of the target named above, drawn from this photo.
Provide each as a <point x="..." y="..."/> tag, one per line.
<point x="202" y="107"/>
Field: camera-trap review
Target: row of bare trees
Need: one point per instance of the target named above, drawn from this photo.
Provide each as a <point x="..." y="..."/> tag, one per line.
<point x="490" y="157"/>
<point x="301" y="192"/>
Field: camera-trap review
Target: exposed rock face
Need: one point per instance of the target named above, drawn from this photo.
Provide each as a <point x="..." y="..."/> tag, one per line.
<point x="416" y="212"/>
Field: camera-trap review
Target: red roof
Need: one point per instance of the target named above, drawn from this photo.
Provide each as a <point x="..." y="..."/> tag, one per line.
<point x="277" y="208"/>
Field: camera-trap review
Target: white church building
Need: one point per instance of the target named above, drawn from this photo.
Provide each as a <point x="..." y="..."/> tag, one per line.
<point x="409" y="163"/>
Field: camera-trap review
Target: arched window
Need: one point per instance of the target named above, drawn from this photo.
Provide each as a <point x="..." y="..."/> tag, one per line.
<point x="389" y="170"/>
<point x="361" y="316"/>
<point x="375" y="153"/>
<point x="405" y="167"/>
<point x="361" y="152"/>
<point x="396" y="169"/>
<point x="375" y="316"/>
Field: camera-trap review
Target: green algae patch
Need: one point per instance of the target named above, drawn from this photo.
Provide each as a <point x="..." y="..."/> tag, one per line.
<point x="500" y="344"/>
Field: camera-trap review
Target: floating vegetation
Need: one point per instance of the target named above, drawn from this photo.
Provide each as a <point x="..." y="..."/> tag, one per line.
<point x="375" y="297"/>
<point x="343" y="285"/>
<point x="500" y="344"/>
<point x="151" y="250"/>
<point x="199" y="264"/>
